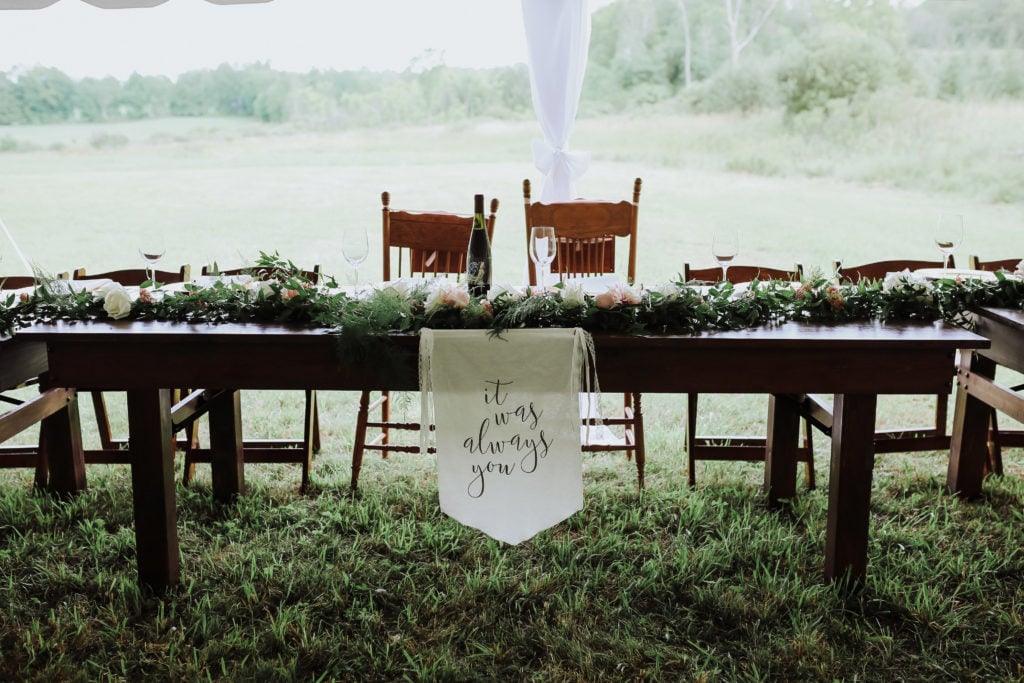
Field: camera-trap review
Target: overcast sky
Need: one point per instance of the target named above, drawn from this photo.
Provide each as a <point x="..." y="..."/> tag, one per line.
<point x="292" y="35"/>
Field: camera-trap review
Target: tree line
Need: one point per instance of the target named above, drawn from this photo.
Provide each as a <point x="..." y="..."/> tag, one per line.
<point x="702" y="55"/>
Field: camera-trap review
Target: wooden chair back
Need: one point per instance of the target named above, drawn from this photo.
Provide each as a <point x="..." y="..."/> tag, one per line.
<point x="267" y="273"/>
<point x="134" y="277"/>
<point x="586" y="231"/>
<point x="738" y="274"/>
<point x="19" y="281"/>
<point x="426" y="243"/>
<point x="877" y="270"/>
<point x="1009" y="264"/>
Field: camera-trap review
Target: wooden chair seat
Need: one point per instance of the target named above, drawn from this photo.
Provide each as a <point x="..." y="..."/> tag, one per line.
<point x="288" y="450"/>
<point x="738" y="447"/>
<point x="999" y="438"/>
<point x="586" y="232"/>
<point x="930" y="437"/>
<point x="114" y="450"/>
<point x="424" y="244"/>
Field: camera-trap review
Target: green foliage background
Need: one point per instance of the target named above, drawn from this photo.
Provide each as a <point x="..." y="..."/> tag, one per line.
<point x="810" y="54"/>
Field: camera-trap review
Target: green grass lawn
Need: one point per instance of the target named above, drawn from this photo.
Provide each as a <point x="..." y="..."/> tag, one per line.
<point x="668" y="584"/>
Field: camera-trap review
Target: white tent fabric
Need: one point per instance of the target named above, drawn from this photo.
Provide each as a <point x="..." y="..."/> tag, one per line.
<point x="109" y="4"/>
<point x="557" y="41"/>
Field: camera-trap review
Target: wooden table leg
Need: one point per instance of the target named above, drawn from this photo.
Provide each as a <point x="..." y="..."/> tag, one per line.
<point x="849" y="496"/>
<point x="780" y="457"/>
<point x="968" y="452"/>
<point x="60" y="448"/>
<point x="226" y="459"/>
<point x="152" y="462"/>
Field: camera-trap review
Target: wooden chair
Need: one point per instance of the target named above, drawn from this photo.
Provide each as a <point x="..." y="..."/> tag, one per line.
<point x="283" y="450"/>
<point x="998" y="438"/>
<point x="1008" y="265"/>
<point x="115" y="450"/>
<point x="586" y="231"/>
<point x="21" y="368"/>
<point x="740" y="448"/>
<point x="415" y="244"/>
<point x="934" y="437"/>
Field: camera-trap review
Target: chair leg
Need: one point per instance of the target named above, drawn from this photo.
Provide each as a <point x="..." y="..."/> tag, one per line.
<point x="42" y="464"/>
<point x="809" y="445"/>
<point x="309" y="422"/>
<point x="627" y="409"/>
<point x="385" y="417"/>
<point x="941" y="409"/>
<point x="995" y="449"/>
<point x="99" y="406"/>
<point x="691" y="439"/>
<point x="638" y="439"/>
<point x="360" y="438"/>
<point x="316" y="424"/>
<point x="188" y="470"/>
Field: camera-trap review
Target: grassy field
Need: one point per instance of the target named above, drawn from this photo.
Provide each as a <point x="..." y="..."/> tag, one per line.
<point x="668" y="584"/>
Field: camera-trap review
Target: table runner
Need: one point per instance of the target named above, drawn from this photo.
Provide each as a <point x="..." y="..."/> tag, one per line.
<point x="507" y="419"/>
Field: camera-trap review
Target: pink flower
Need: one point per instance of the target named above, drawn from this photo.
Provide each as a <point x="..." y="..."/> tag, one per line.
<point x="287" y="294"/>
<point x="628" y="295"/>
<point x="835" y="298"/>
<point x="456" y="297"/>
<point x="487" y="306"/>
<point x="24" y="297"/>
<point x="145" y="297"/>
<point x="608" y="300"/>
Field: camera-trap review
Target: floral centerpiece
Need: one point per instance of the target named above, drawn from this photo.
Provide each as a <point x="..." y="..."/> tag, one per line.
<point x="278" y="292"/>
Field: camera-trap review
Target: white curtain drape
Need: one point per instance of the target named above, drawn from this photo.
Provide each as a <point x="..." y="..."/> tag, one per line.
<point x="557" y="41"/>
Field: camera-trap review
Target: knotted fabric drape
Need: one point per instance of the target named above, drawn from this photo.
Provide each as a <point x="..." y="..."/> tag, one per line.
<point x="557" y="41"/>
<point x="507" y="425"/>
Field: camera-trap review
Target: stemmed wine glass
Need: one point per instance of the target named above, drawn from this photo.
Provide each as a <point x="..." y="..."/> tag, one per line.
<point x="355" y="247"/>
<point x="724" y="246"/>
<point x="152" y="249"/>
<point x="543" y="249"/>
<point x="949" y="233"/>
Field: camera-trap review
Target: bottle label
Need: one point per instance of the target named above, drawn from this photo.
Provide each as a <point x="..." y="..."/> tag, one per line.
<point x="476" y="272"/>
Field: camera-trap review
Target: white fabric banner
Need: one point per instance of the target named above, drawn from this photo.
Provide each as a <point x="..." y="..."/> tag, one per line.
<point x="507" y="420"/>
<point x="557" y="41"/>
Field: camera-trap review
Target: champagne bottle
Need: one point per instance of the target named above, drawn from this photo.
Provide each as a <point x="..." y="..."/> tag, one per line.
<point x="478" y="254"/>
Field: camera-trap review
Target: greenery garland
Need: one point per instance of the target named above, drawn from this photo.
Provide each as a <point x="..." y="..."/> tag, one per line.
<point x="279" y="293"/>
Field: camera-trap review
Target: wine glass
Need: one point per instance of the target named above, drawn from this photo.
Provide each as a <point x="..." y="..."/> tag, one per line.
<point x="724" y="246"/>
<point x="355" y="247"/>
<point x="152" y="249"/>
<point x="542" y="251"/>
<point x="949" y="233"/>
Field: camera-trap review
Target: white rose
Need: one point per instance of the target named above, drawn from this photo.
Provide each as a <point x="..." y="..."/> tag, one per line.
<point x="399" y="288"/>
<point x="573" y="295"/>
<point x="669" y="290"/>
<point x="267" y="287"/>
<point x="1019" y="270"/>
<point x="116" y="300"/>
<point x="508" y="291"/>
<point x="903" y="278"/>
<point x="435" y="300"/>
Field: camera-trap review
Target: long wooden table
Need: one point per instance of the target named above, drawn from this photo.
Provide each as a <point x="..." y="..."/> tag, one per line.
<point x="856" y="362"/>
<point x="977" y="392"/>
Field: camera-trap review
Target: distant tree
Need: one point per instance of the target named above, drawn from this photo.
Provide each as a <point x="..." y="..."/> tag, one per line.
<point x="10" y="105"/>
<point x="146" y="96"/>
<point x="46" y="95"/>
<point x="742" y="29"/>
<point x="94" y="99"/>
